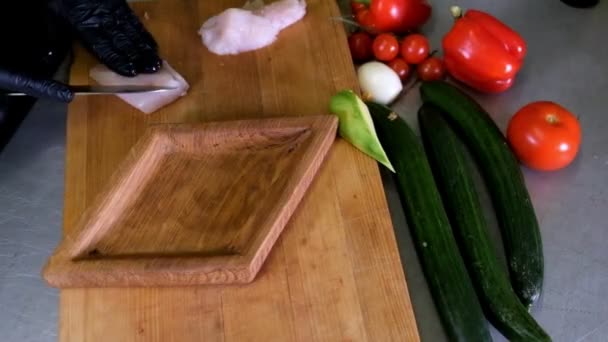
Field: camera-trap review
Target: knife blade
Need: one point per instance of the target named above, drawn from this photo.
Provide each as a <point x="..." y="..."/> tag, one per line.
<point x="107" y="90"/>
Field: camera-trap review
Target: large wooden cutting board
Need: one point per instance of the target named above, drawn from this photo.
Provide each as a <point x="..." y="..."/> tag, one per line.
<point x="334" y="274"/>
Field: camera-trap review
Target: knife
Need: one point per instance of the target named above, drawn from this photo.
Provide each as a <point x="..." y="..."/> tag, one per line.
<point x="107" y="90"/>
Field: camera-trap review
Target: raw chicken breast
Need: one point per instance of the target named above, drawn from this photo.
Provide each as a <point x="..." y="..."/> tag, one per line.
<point x="147" y="103"/>
<point x="283" y="13"/>
<point x="237" y="30"/>
<point x="232" y="31"/>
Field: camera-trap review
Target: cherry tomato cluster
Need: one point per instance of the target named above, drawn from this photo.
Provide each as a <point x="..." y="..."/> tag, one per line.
<point x="543" y="135"/>
<point x="404" y="54"/>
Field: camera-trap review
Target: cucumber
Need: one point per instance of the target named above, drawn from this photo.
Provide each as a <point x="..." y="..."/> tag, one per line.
<point x="505" y="182"/>
<point x="453" y="175"/>
<point x="451" y="288"/>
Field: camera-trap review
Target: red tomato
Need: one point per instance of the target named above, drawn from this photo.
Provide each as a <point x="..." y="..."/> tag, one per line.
<point x="385" y="47"/>
<point x="357" y="6"/>
<point x="399" y="15"/>
<point x="544" y="136"/>
<point x="415" y="48"/>
<point x="431" y="69"/>
<point x="360" y="44"/>
<point x="364" y="18"/>
<point x="401" y="67"/>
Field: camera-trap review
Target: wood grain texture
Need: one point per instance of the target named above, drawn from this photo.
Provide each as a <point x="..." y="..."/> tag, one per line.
<point x="334" y="273"/>
<point x="195" y="204"/>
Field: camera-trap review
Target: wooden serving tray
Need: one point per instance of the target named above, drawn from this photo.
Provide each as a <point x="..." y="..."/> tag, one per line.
<point x="195" y="204"/>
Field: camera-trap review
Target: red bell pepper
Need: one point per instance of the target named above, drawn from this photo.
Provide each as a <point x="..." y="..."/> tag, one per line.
<point x="482" y="52"/>
<point x="396" y="16"/>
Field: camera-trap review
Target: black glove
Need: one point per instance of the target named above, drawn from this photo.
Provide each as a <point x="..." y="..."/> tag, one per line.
<point x="113" y="33"/>
<point x="33" y="43"/>
<point x="35" y="87"/>
<point x="108" y="28"/>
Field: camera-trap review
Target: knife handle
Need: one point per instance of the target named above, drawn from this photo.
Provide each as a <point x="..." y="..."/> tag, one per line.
<point x="17" y="82"/>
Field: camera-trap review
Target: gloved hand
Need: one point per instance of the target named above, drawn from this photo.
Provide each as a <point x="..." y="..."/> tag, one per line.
<point x="112" y="32"/>
<point x="21" y="82"/>
<point x="108" y="28"/>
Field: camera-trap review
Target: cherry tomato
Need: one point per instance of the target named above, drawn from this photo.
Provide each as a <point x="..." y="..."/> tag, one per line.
<point x="544" y="135"/>
<point x="357" y="6"/>
<point x="415" y="48"/>
<point x="364" y="18"/>
<point x="360" y="44"/>
<point x="385" y="47"/>
<point x="401" y="67"/>
<point x="431" y="69"/>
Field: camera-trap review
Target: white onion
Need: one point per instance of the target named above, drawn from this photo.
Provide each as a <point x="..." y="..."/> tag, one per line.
<point x="379" y="83"/>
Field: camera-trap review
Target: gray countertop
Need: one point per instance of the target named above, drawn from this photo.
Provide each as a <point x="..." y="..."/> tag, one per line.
<point x="567" y="63"/>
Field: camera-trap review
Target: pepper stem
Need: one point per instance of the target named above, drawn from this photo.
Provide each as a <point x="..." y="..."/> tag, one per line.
<point x="456" y="12"/>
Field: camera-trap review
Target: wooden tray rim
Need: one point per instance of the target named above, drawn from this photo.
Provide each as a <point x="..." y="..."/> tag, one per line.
<point x="243" y="268"/>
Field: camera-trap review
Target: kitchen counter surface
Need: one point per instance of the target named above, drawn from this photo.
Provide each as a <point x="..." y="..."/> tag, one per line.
<point x="567" y="63"/>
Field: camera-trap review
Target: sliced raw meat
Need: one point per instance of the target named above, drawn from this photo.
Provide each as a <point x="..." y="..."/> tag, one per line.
<point x="147" y="103"/>
<point x="250" y="28"/>
<point x="237" y="30"/>
<point x="283" y="13"/>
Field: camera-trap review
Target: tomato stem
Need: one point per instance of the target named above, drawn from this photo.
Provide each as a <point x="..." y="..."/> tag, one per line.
<point x="351" y="22"/>
<point x="552" y="119"/>
<point x="366" y="2"/>
<point x="411" y="86"/>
